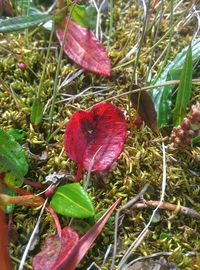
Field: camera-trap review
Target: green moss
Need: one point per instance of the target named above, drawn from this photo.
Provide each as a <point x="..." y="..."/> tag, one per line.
<point x="141" y="160"/>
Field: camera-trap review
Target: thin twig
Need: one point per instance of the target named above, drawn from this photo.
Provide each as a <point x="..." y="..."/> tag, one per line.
<point x="168" y="206"/>
<point x="159" y="254"/>
<point x="135" y="244"/>
<point x="21" y="266"/>
<point x="127" y="205"/>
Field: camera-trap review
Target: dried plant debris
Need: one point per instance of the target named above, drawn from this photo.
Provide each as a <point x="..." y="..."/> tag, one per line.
<point x="189" y="128"/>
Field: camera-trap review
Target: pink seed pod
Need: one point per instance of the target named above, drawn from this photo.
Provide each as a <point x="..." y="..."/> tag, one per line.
<point x="49" y="192"/>
<point x="22" y="66"/>
<point x="138" y="121"/>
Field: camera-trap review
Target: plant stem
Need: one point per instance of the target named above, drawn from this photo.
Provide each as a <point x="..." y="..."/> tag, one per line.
<point x="110" y="25"/>
<point x="45" y="63"/>
<point x="58" y="69"/>
<point x="170" y="41"/>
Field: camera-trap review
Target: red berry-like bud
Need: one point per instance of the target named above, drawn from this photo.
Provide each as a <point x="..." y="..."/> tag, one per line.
<point x="49" y="192"/>
<point x="185" y="124"/>
<point x="138" y="121"/>
<point x="22" y="66"/>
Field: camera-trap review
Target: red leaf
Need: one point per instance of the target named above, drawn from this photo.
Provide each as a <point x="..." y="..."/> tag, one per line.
<point x="54" y="247"/>
<point x="5" y="261"/>
<point x="99" y="133"/>
<point x="84" y="49"/>
<point x="70" y="261"/>
<point x="142" y="102"/>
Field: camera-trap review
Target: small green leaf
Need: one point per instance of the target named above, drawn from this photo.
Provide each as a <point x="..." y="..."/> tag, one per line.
<point x="36" y="112"/>
<point x="196" y="140"/>
<point x="184" y="90"/>
<point x="12" y="159"/>
<point x="72" y="201"/>
<point x="22" y="22"/>
<point x="85" y="16"/>
<point x="162" y="96"/>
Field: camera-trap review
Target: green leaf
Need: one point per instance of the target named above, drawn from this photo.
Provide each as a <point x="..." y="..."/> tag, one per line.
<point x="162" y="96"/>
<point x="17" y="134"/>
<point x="184" y="90"/>
<point x="196" y="140"/>
<point x="36" y="112"/>
<point x="12" y="159"/>
<point x="71" y="200"/>
<point x="22" y="22"/>
<point x="85" y="16"/>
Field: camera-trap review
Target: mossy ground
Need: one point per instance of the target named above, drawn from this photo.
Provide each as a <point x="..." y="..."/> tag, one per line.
<point x="141" y="160"/>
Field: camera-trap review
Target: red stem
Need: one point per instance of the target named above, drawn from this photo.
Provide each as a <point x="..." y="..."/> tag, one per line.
<point x="79" y="171"/>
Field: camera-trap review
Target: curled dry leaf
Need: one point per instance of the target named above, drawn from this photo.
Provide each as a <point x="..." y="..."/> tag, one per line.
<point x="54" y="248"/>
<point x="84" y="49"/>
<point x="95" y="137"/>
<point x="143" y="104"/>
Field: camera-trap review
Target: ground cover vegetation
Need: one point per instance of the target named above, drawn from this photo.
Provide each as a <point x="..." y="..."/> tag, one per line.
<point x="99" y="134"/>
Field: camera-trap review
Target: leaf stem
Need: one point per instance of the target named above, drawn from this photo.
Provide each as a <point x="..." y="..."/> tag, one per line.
<point x="170" y="41"/>
<point x="110" y="25"/>
<point x="58" y="69"/>
<point x="45" y="63"/>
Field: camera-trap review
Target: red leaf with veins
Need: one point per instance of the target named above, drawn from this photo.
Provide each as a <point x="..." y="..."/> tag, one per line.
<point x="95" y="137"/>
<point x="54" y="248"/>
<point x="84" y="49"/>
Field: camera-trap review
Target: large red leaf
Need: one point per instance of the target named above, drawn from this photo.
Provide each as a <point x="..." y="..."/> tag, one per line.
<point x="70" y="261"/>
<point x="99" y="133"/>
<point x="84" y="49"/>
<point x="55" y="247"/>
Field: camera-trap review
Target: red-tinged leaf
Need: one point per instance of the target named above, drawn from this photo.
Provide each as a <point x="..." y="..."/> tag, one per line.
<point x="70" y="261"/>
<point x="96" y="137"/>
<point x="142" y="102"/>
<point x="84" y="49"/>
<point x="5" y="261"/>
<point x="54" y="247"/>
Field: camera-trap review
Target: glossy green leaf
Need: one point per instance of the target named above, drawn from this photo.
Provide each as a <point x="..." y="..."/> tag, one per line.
<point x="36" y="112"/>
<point x="162" y="96"/>
<point x="85" y="16"/>
<point x="12" y="159"/>
<point x="184" y="90"/>
<point x="22" y="22"/>
<point x="72" y="201"/>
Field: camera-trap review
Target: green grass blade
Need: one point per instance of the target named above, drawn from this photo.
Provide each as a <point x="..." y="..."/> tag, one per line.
<point x="22" y="22"/>
<point x="184" y="90"/>
<point x="162" y="96"/>
<point x="196" y="140"/>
